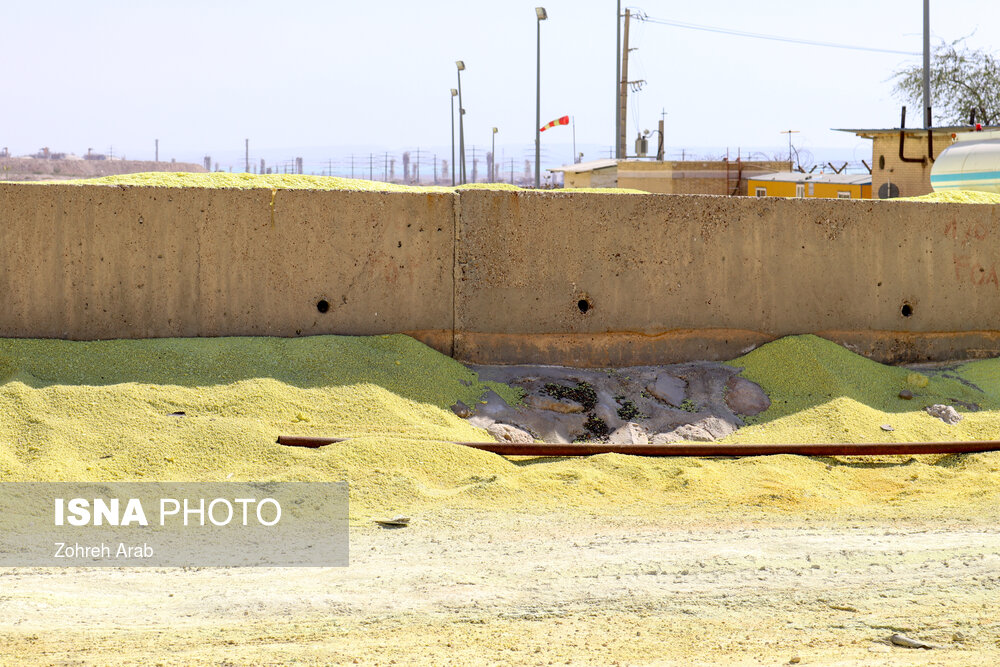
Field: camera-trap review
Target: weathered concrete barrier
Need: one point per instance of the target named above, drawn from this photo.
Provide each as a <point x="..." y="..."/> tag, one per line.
<point x="592" y="279"/>
<point x="497" y="276"/>
<point x="93" y="262"/>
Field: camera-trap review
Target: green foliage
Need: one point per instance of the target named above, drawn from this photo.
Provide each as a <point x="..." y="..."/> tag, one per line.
<point x="596" y="426"/>
<point x="629" y="412"/>
<point x="583" y="393"/>
<point x="962" y="79"/>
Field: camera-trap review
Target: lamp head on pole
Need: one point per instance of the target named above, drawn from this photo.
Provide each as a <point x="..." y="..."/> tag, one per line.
<point x="495" y="130"/>
<point x="460" y="64"/>
<point x="454" y="92"/>
<point x="540" y="13"/>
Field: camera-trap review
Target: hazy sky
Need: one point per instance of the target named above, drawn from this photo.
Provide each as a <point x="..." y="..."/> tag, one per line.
<point x="202" y="75"/>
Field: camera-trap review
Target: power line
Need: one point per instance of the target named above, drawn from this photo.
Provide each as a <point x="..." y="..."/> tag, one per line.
<point x="774" y="38"/>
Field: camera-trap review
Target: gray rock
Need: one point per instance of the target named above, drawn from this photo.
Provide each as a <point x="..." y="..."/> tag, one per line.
<point x="716" y="427"/>
<point x="669" y="389"/>
<point x="607" y="409"/>
<point x="508" y="433"/>
<point x="745" y="397"/>
<point x="629" y="434"/>
<point x="666" y="438"/>
<point x="691" y="432"/>
<point x="564" y="406"/>
<point x="462" y="410"/>
<point x="945" y="413"/>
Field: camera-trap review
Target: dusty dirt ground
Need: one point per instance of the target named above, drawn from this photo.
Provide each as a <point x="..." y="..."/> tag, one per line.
<point x="463" y="587"/>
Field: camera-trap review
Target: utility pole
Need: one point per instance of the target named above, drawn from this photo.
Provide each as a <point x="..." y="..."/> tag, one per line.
<point x="927" y="64"/>
<point x="247" y="155"/>
<point x="371" y="167"/>
<point x="352" y="165"/>
<point x="573" y="123"/>
<point x="618" y="77"/>
<point x="621" y="152"/>
<point x="157" y="150"/>
<point x="541" y="15"/>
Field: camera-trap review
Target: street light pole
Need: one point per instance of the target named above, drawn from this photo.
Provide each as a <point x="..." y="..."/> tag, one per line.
<point x="541" y="16"/>
<point x="453" y="94"/>
<point x="461" y="118"/>
<point x="493" y="158"/>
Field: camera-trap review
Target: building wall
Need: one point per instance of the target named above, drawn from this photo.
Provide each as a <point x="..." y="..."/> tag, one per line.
<point x="821" y="190"/>
<point x="912" y="178"/>
<point x="498" y="276"/>
<point x="689" y="177"/>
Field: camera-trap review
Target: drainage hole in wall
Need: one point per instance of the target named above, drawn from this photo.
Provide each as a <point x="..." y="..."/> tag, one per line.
<point x="906" y="310"/>
<point x="584" y="305"/>
<point x="322" y="305"/>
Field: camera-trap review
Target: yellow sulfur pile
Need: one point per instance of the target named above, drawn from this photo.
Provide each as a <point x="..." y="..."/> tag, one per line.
<point x="160" y="179"/>
<point x="111" y="410"/>
<point x="957" y="197"/>
<point x="821" y="392"/>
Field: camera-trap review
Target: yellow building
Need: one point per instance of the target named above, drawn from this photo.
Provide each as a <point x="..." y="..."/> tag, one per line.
<point x="798" y="184"/>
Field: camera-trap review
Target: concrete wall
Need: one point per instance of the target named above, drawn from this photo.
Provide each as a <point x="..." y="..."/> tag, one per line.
<point x="589" y="279"/>
<point x="668" y="278"/>
<point x="94" y="262"/>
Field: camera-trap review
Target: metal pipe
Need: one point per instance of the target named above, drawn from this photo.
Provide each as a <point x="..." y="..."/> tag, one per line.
<point x="699" y="448"/>
<point x="902" y="133"/>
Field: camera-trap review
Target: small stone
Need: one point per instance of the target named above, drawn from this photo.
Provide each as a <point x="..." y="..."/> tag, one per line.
<point x="906" y="395"/>
<point x="887" y="427"/>
<point x="692" y="432"/>
<point x="907" y="642"/>
<point x="745" y="397"/>
<point x="508" y="433"/>
<point x="564" y="406"/>
<point x="945" y="413"/>
<point x="461" y="409"/>
<point x="795" y="660"/>
<point x="666" y="438"/>
<point x="629" y="434"/>
<point x="669" y="389"/>
<point x="716" y="427"/>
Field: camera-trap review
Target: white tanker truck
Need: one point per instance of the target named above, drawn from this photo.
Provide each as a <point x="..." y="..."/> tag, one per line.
<point x="971" y="163"/>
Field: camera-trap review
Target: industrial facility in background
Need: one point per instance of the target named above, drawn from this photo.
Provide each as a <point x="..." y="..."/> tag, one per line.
<point x="903" y="158"/>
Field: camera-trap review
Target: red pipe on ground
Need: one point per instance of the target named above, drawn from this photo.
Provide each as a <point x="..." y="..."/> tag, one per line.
<point x="699" y="448"/>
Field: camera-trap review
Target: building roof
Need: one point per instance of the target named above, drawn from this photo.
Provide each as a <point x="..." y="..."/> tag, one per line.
<point x="799" y="177"/>
<point x="593" y="165"/>
<point x="947" y="129"/>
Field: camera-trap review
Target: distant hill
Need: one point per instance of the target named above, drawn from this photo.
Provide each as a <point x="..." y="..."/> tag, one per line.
<point x="40" y="169"/>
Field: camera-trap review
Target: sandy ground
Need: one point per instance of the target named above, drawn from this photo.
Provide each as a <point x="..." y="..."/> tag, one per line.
<point x="506" y="588"/>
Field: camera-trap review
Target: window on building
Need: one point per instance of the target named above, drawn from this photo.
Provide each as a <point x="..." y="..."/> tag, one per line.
<point x="800" y="189"/>
<point x="812" y="189"/>
<point x="760" y="192"/>
<point x="843" y="195"/>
